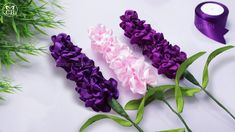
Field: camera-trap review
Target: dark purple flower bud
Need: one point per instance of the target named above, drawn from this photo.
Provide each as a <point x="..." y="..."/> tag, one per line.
<point x="164" y="56"/>
<point x="92" y="87"/>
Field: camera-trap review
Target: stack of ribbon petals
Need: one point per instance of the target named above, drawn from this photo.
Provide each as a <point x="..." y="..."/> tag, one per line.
<point x="164" y="56"/>
<point x="130" y="69"/>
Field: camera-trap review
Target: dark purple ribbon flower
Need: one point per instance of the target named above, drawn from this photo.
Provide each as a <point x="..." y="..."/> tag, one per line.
<point x="93" y="88"/>
<point x="164" y="56"/>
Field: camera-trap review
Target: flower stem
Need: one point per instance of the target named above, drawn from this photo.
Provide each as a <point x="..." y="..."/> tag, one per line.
<point x="194" y="81"/>
<point x="217" y="102"/>
<point x="116" y="106"/>
<point x="180" y="117"/>
<point x="134" y="124"/>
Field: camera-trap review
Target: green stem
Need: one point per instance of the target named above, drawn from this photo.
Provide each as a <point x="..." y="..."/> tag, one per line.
<point x="116" y="106"/>
<point x="180" y="117"/>
<point x="193" y="80"/>
<point x="134" y="124"/>
<point x="217" y="102"/>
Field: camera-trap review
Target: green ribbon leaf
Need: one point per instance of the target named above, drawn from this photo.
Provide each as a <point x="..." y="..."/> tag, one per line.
<point x="190" y="91"/>
<point x="158" y="93"/>
<point x="117" y="107"/>
<point x="133" y="104"/>
<point x="215" y="53"/>
<point x="174" y="130"/>
<point x="183" y="67"/>
<point x="189" y="76"/>
<point x="179" y="99"/>
<point x="95" y="118"/>
<point x="140" y="112"/>
<point x="152" y="94"/>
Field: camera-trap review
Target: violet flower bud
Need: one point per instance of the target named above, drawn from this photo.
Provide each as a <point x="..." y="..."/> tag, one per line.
<point x="92" y="87"/>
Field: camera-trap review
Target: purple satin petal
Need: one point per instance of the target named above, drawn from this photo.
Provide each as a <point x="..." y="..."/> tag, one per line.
<point x="164" y="56"/>
<point x="93" y="88"/>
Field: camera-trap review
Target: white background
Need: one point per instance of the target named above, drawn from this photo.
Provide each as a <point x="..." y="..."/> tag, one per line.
<point x="49" y="103"/>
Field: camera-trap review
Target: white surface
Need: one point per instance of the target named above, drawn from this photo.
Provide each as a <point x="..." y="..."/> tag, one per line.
<point x="48" y="102"/>
<point x="212" y="9"/>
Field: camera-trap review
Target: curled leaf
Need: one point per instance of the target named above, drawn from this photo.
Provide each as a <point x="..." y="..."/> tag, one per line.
<point x="215" y="53"/>
<point x="95" y="118"/>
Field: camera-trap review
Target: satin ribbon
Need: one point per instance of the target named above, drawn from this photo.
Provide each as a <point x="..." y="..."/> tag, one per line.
<point x="213" y="26"/>
<point x="131" y="70"/>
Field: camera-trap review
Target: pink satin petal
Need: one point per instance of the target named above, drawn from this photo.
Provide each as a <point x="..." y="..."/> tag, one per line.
<point x="131" y="70"/>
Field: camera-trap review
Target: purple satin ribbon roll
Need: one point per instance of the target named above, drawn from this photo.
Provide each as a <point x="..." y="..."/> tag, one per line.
<point x="210" y="19"/>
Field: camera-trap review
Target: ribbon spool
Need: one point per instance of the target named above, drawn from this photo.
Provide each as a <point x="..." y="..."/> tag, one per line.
<point x="210" y="19"/>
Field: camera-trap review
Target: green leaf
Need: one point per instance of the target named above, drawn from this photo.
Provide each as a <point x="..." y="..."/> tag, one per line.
<point x="117" y="107"/>
<point x="0" y="65"/>
<point x="15" y="29"/>
<point x="21" y="57"/>
<point x="186" y="91"/>
<point x="179" y="99"/>
<point x="95" y="118"/>
<point x="1" y="19"/>
<point x="161" y="88"/>
<point x="190" y="91"/>
<point x="189" y="76"/>
<point x="133" y="104"/>
<point x="2" y="99"/>
<point x="140" y="112"/>
<point x="183" y="67"/>
<point x="152" y="94"/>
<point x="6" y="87"/>
<point x="39" y="30"/>
<point x="215" y="53"/>
<point x="174" y="130"/>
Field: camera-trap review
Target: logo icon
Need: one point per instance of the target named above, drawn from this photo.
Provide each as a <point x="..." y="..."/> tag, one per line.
<point x="9" y="9"/>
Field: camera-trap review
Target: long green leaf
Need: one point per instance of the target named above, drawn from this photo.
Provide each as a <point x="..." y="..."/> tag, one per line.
<point x="1" y="19"/>
<point x="179" y="99"/>
<point x="15" y="29"/>
<point x="155" y="91"/>
<point x="103" y="116"/>
<point x="189" y="76"/>
<point x="21" y="57"/>
<point x="140" y="112"/>
<point x="39" y="30"/>
<point x="215" y="53"/>
<point x="190" y="91"/>
<point x="174" y="130"/>
<point x="152" y="94"/>
<point x="162" y="88"/>
<point x="183" y="67"/>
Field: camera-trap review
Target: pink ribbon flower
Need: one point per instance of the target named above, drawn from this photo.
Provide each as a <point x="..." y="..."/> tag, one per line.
<point x="131" y="70"/>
